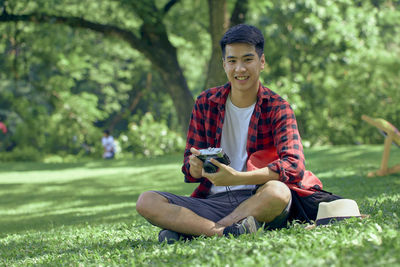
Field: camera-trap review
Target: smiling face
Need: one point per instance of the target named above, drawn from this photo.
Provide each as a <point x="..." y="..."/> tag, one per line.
<point x="242" y="67"/>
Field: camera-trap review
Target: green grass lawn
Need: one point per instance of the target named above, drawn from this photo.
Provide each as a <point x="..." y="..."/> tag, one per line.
<point x="83" y="214"/>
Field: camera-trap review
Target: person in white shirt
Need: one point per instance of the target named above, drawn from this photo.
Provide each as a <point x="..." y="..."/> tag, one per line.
<point x="108" y="143"/>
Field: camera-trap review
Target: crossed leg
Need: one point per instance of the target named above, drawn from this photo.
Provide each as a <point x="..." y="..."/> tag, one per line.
<point x="266" y="204"/>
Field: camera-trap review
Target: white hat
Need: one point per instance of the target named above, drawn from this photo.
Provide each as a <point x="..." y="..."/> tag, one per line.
<point x="337" y="210"/>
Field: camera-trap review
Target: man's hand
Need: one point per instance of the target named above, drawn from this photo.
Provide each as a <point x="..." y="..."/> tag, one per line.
<point x="196" y="165"/>
<point x="225" y="175"/>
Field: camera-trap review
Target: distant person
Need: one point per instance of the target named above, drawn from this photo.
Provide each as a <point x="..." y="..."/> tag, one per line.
<point x="108" y="144"/>
<point x="3" y="127"/>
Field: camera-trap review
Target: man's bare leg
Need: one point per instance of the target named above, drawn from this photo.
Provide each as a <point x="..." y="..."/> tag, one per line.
<point x="157" y="210"/>
<point x="268" y="203"/>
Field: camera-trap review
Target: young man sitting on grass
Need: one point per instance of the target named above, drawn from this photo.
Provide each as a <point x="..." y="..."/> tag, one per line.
<point x="241" y="117"/>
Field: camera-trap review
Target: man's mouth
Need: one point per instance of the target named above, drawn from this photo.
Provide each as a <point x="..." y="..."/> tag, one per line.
<point x="241" y="78"/>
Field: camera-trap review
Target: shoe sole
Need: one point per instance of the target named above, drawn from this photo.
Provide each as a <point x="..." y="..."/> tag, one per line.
<point x="252" y="224"/>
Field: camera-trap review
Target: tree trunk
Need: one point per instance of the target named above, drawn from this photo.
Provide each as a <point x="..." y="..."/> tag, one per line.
<point x="162" y="54"/>
<point x="239" y="12"/>
<point x="177" y="87"/>
<point x="219" y="24"/>
<point x="218" y="17"/>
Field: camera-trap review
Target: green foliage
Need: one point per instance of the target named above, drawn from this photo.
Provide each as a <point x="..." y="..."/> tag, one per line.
<point x="72" y="126"/>
<point x="150" y="138"/>
<point x="84" y="214"/>
<point x="334" y="61"/>
<point x="59" y="90"/>
<point x="27" y="153"/>
<point x="61" y="86"/>
<point x="188" y="32"/>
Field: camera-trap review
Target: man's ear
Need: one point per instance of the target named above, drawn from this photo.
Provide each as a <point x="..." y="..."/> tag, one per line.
<point x="262" y="60"/>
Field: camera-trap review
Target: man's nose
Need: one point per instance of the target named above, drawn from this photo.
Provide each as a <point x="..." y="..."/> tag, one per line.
<point x="240" y="67"/>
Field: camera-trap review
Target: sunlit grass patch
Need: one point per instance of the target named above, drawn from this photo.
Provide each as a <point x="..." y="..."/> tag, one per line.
<point x="84" y="214"/>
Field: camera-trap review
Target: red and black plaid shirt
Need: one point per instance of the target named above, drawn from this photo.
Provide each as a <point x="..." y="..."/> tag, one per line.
<point x="272" y="124"/>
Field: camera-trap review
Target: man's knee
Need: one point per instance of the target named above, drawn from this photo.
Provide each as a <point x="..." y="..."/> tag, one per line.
<point x="276" y="192"/>
<point x="147" y="203"/>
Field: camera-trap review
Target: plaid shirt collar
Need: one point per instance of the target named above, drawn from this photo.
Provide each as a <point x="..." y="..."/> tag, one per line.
<point x="221" y="96"/>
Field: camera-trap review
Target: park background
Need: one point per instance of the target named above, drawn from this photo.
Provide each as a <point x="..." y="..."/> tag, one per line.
<point x="70" y="69"/>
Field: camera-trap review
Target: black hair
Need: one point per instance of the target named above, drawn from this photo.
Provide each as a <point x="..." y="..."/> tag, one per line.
<point x="243" y="33"/>
<point x="107" y="132"/>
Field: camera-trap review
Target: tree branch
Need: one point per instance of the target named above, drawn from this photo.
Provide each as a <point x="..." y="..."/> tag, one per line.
<point x="76" y="22"/>
<point x="239" y="12"/>
<point x="3" y="7"/>
<point x="169" y="5"/>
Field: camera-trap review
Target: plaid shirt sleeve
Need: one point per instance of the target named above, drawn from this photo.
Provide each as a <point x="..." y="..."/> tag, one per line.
<point x="286" y="138"/>
<point x="204" y="131"/>
<point x="195" y="138"/>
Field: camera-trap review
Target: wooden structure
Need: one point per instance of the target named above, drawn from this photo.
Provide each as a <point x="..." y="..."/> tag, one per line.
<point x="392" y="135"/>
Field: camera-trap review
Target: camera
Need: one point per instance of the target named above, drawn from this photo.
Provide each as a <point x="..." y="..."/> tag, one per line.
<point x="212" y="153"/>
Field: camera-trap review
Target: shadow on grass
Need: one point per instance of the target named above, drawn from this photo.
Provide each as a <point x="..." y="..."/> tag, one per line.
<point x="102" y="199"/>
<point x="364" y="158"/>
<point x="90" y="164"/>
<point x="43" y="248"/>
<point x="360" y="187"/>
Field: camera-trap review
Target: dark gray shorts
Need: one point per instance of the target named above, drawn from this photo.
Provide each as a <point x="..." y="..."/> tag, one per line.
<point x="217" y="206"/>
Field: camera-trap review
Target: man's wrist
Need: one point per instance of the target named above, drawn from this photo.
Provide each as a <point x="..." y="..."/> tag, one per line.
<point x="238" y="178"/>
<point x="195" y="176"/>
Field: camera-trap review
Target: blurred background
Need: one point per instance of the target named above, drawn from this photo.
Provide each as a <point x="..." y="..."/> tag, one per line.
<point x="70" y="69"/>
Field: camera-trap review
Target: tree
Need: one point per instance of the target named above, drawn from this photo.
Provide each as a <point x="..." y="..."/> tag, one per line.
<point x="333" y="61"/>
<point x="151" y="39"/>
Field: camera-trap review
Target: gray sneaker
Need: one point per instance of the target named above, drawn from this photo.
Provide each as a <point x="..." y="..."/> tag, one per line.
<point x="169" y="236"/>
<point x="246" y="226"/>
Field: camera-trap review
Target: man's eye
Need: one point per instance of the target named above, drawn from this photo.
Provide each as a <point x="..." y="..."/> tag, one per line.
<point x="232" y="61"/>
<point x="248" y="59"/>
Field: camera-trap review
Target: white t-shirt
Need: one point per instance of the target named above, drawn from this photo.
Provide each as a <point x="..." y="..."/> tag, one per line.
<point x="234" y="140"/>
<point x="108" y="144"/>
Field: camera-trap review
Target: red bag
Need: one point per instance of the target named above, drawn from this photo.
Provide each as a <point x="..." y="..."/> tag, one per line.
<point x="262" y="158"/>
<point x="306" y="195"/>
